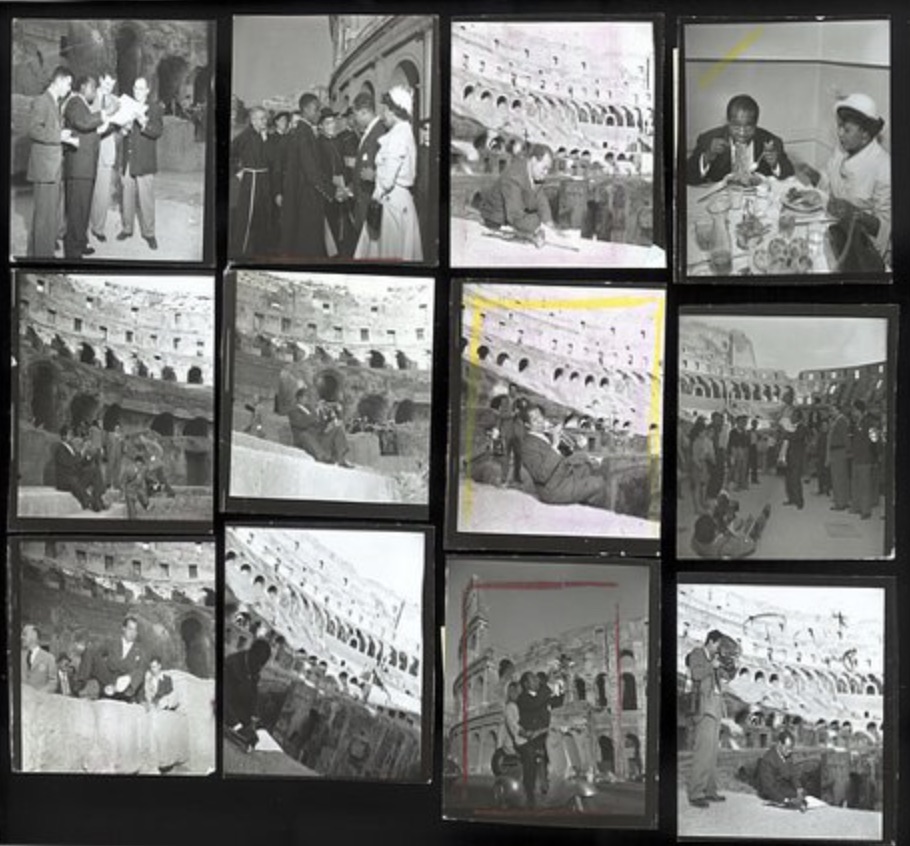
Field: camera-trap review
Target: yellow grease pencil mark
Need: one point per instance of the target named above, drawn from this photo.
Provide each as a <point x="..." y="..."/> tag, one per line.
<point x="734" y="52"/>
<point x="476" y="301"/>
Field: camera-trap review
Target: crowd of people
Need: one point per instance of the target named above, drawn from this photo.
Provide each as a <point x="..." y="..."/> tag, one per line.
<point x="81" y="133"/>
<point x="841" y="447"/>
<point x="856" y="177"/>
<point x="122" y="669"/>
<point x="90" y="461"/>
<point x="318" y="184"/>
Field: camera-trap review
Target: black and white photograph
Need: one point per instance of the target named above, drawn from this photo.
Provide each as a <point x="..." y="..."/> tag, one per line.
<point x="786" y="432"/>
<point x="783" y="720"/>
<point x="555" y="151"/>
<point x="113" y="656"/>
<point x="329" y="400"/>
<point x="113" y="400"/>
<point x="556" y="420"/>
<point x="335" y="129"/>
<point x="785" y="150"/>
<point x="112" y="127"/>
<point x="551" y="706"/>
<point x="327" y="672"/>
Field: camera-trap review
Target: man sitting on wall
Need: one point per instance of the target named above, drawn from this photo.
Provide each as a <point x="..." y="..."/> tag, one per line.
<point x="39" y="669"/>
<point x="318" y="430"/>
<point x="117" y="672"/>
<point x="76" y="475"/>
<point x="560" y="479"/>
<point x="740" y="147"/>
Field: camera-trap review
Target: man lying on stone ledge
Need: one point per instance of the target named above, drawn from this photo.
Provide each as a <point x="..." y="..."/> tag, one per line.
<point x="318" y="429"/>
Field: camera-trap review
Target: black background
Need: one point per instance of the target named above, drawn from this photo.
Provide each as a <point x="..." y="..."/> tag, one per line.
<point x="122" y="810"/>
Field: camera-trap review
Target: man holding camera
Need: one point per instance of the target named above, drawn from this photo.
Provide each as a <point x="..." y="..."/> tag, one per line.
<point x="704" y="664"/>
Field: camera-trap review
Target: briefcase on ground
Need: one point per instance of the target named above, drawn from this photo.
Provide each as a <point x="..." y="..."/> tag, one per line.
<point x="374" y="219"/>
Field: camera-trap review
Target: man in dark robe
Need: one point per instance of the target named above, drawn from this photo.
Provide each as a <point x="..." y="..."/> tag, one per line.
<point x="306" y="189"/>
<point x="276" y="151"/>
<point x="251" y="206"/>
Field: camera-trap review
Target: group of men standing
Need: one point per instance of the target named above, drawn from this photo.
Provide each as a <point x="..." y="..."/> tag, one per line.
<point x="74" y="128"/>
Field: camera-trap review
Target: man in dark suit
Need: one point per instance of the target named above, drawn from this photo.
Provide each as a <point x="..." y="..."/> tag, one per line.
<point x="371" y="129"/>
<point x="139" y="166"/>
<point x="559" y="479"/>
<point x="80" y="165"/>
<point x="517" y="198"/>
<point x="837" y="447"/>
<point x="125" y="665"/>
<point x="797" y="438"/>
<point x="251" y="192"/>
<point x="241" y="689"/>
<point x="306" y="189"/>
<point x="74" y="475"/>
<point x="39" y="669"/>
<point x="778" y="781"/>
<point x="704" y="663"/>
<point x="741" y="145"/>
<point x="318" y="432"/>
<point x="45" y="163"/>
<point x="864" y="450"/>
<point x="534" y="704"/>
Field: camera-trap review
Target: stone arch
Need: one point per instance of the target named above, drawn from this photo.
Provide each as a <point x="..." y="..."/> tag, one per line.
<point x="629" y="692"/>
<point x="373" y="407"/>
<point x="523" y="365"/>
<point x="172" y="72"/>
<point x="83" y="409"/>
<point x="474" y="752"/>
<point x="402" y="361"/>
<point x="111" y="418"/>
<point x="600" y="686"/>
<point x="87" y="353"/>
<point x="581" y="689"/>
<point x="198" y="647"/>
<point x="128" y="48"/>
<point x="163" y="424"/>
<point x="376" y="360"/>
<point x="198" y="427"/>
<point x="467" y="92"/>
<point x="168" y="374"/>
<point x="194" y="376"/>
<point x="483" y="352"/>
<point x="328" y="384"/>
<point x="43" y="378"/>
<point x="607" y="754"/>
<point x="502" y="359"/>
<point x="557" y="374"/>
<point x="111" y="362"/>
<point x="405" y="411"/>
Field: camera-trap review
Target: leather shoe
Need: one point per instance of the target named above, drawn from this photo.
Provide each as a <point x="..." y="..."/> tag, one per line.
<point x="99" y="236"/>
<point x="346" y="464"/>
<point x="88" y="251"/>
<point x="700" y="803"/>
<point x="122" y="236"/>
<point x="152" y="242"/>
<point x="716" y="798"/>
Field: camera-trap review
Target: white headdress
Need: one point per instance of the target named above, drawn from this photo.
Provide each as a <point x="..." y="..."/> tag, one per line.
<point x="403" y="98"/>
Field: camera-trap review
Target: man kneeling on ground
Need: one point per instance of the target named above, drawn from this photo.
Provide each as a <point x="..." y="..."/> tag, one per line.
<point x="778" y="781"/>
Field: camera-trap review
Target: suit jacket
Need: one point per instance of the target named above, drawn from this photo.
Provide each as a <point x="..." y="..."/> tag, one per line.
<point x="777" y="779"/>
<point x="366" y="158"/>
<point x="140" y="146"/>
<point x="708" y="699"/>
<point x="45" y="158"/>
<point x="539" y="459"/>
<point x="303" y="419"/>
<point x="534" y="711"/>
<point x="81" y="162"/>
<point x="42" y="675"/>
<point x="107" y="148"/>
<point x="723" y="164"/>
<point x="67" y="466"/>
<point x="514" y="201"/>
<point x="838" y="439"/>
<point x="133" y="664"/>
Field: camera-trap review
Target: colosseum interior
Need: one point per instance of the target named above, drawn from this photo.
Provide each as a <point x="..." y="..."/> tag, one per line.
<point x="370" y="352"/>
<point x="96" y="348"/>
<point x="342" y="692"/>
<point x="68" y="586"/>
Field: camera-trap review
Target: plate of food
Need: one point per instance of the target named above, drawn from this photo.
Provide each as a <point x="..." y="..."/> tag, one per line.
<point x="745" y="181"/>
<point x="803" y="200"/>
<point x="782" y="258"/>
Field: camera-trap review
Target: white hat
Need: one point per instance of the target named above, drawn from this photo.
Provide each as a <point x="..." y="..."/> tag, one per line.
<point x="403" y="98"/>
<point x="499" y="390"/>
<point x="861" y="103"/>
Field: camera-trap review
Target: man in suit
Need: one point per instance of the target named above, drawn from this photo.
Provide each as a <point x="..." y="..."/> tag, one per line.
<point x="517" y="198"/>
<point x="371" y="128"/>
<point x="276" y="152"/>
<point x="305" y="188"/>
<point x="534" y="704"/>
<point x="74" y="475"/>
<point x="838" y="444"/>
<point x="251" y="192"/>
<point x="45" y="163"/>
<point x="80" y="164"/>
<point x="139" y="165"/>
<point x="105" y="103"/>
<point x="124" y="668"/>
<point x="241" y="688"/>
<point x="318" y="431"/>
<point x="560" y="479"/>
<point x="864" y="450"/>
<point x="778" y="781"/>
<point x="39" y="669"/>
<point x="797" y="437"/>
<point x="703" y="663"/>
<point x="740" y="146"/>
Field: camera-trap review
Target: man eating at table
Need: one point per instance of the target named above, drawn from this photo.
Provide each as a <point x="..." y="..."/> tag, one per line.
<point x="739" y="147"/>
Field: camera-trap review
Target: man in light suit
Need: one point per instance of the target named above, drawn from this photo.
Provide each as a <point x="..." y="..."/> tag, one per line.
<point x="739" y="144"/>
<point x="80" y="165"/>
<point x="106" y="103"/>
<point x="371" y="129"/>
<point x="703" y="663"/>
<point x="39" y="669"/>
<point x="45" y="163"/>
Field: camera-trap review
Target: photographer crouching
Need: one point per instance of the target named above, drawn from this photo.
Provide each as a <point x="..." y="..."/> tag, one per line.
<point x="722" y="533"/>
